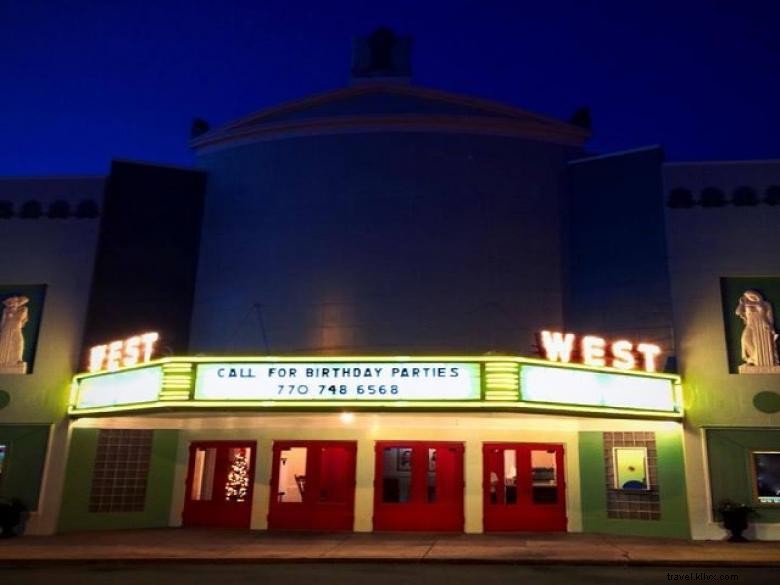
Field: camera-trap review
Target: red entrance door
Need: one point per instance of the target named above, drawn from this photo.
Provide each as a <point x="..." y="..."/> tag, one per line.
<point x="523" y="487"/>
<point x="313" y="486"/>
<point x="219" y="484"/>
<point x="418" y="486"/>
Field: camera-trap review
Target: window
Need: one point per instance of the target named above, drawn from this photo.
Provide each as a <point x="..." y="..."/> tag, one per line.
<point x="510" y="477"/>
<point x="544" y="476"/>
<point x="712" y="197"/>
<point x="744" y="196"/>
<point x="772" y="195"/>
<point x="237" y="484"/>
<point x="292" y="475"/>
<point x="631" y="468"/>
<point x="203" y="474"/>
<point x="3" y="454"/>
<point x="766" y="476"/>
<point x="431" y="475"/>
<point x="680" y="198"/>
<point x="31" y="210"/>
<point x="121" y="471"/>
<point x="397" y="474"/>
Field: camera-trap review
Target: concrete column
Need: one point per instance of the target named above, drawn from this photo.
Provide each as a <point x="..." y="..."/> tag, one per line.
<point x="364" y="490"/>
<point x="473" y="491"/>
<point x="45" y="519"/>
<point x="261" y="496"/>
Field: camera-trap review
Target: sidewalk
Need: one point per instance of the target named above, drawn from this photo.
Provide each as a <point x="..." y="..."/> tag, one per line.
<point x="224" y="546"/>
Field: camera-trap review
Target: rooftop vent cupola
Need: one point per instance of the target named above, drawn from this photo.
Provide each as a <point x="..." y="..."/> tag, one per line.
<point x="382" y="56"/>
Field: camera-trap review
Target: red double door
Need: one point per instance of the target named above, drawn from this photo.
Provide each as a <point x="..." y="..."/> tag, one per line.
<point x="418" y="486"/>
<point x="313" y="485"/>
<point x="523" y="487"/>
<point x="219" y="485"/>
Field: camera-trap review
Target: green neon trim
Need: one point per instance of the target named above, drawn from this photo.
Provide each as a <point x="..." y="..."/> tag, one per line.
<point x="379" y="406"/>
<point x="487" y="360"/>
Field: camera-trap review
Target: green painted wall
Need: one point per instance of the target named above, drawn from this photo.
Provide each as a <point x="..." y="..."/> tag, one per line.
<point x="671" y="478"/>
<point x="24" y="461"/>
<point x="75" y="514"/>
<point x="730" y="471"/>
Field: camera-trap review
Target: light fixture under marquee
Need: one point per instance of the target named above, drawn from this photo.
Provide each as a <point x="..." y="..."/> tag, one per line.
<point x="123" y="353"/>
<point x="595" y="351"/>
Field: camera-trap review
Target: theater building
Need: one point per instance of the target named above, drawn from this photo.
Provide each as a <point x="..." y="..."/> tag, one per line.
<point x="373" y="264"/>
<point x="389" y="307"/>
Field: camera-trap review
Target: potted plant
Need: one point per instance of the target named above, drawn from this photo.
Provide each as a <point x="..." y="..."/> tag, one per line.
<point x="13" y="513"/>
<point x="735" y="518"/>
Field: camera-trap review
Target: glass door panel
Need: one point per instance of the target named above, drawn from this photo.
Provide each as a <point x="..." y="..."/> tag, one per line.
<point x="236" y="487"/>
<point x="203" y="473"/>
<point x="291" y="485"/>
<point x="510" y="476"/>
<point x="219" y="485"/>
<point x="396" y="474"/>
<point x="544" y="476"/>
<point x="431" y="476"/>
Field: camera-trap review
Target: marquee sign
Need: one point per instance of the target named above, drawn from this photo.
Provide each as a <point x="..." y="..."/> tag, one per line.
<point x="141" y="386"/>
<point x="595" y="351"/>
<point x="556" y="385"/>
<point x="442" y="382"/>
<point x="333" y="381"/>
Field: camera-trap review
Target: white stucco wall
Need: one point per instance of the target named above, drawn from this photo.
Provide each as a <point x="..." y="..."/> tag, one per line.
<point x="60" y="254"/>
<point x="706" y="244"/>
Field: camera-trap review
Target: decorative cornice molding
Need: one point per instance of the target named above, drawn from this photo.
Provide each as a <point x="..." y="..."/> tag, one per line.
<point x="497" y="119"/>
<point x="390" y="123"/>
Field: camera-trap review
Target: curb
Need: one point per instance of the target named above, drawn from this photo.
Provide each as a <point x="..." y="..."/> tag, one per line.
<point x="688" y="563"/>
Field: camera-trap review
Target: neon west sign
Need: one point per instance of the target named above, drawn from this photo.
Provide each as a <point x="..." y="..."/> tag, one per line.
<point x="595" y="351"/>
<point x="123" y="353"/>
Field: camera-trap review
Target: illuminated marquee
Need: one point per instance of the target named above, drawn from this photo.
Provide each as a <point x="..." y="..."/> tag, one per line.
<point x="599" y="389"/>
<point x="338" y="381"/>
<point x="595" y="351"/>
<point x="129" y="387"/>
<point x="123" y="353"/>
<point x="449" y="382"/>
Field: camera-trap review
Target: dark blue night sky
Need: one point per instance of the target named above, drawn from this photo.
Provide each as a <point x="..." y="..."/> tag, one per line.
<point x="87" y="81"/>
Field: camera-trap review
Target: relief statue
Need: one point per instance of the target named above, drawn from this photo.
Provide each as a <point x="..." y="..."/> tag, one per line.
<point x="759" y="340"/>
<point x="14" y="319"/>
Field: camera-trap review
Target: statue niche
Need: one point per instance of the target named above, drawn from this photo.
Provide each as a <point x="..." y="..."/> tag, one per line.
<point x="14" y="319"/>
<point x="759" y="339"/>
